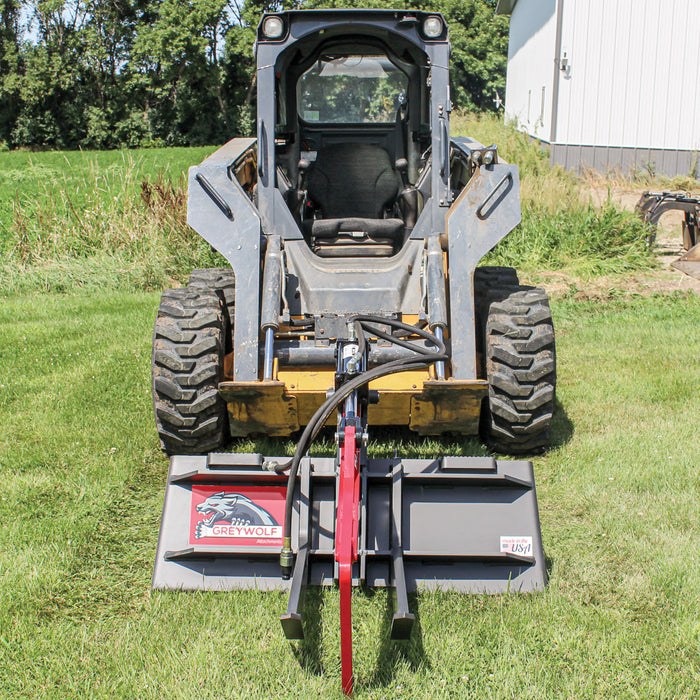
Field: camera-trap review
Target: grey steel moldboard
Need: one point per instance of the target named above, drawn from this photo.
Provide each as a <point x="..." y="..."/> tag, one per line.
<point x="428" y="524"/>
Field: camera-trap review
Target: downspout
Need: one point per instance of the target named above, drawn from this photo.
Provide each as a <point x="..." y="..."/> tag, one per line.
<point x="557" y="72"/>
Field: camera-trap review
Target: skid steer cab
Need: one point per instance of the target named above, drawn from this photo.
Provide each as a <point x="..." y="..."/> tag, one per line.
<point x="353" y="225"/>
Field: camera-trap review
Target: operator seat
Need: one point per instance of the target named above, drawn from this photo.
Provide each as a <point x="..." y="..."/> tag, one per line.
<point x="355" y="186"/>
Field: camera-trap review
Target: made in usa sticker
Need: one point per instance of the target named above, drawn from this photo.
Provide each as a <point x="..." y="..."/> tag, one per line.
<point x="521" y="546"/>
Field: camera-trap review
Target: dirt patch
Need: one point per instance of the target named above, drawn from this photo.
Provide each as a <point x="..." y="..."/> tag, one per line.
<point x="664" y="281"/>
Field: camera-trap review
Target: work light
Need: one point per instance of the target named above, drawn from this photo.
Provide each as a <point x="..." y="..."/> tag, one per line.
<point x="432" y="27"/>
<point x="273" y="28"/>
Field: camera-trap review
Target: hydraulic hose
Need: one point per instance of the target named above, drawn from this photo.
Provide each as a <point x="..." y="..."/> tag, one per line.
<point x="423" y="359"/>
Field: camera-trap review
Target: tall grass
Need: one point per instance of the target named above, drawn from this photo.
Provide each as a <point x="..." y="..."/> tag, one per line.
<point x="581" y="239"/>
<point x="118" y="220"/>
<point x="115" y="226"/>
<point x="560" y="228"/>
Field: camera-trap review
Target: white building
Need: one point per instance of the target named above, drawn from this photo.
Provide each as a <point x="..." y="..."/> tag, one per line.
<point x="608" y="83"/>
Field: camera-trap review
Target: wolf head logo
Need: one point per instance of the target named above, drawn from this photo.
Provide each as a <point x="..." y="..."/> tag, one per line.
<point x="234" y="508"/>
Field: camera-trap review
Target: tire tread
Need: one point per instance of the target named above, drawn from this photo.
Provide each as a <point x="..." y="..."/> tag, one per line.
<point x="188" y="345"/>
<point x="519" y="354"/>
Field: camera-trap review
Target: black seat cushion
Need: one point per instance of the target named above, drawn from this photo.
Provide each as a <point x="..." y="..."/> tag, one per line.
<point x="358" y="229"/>
<point x="353" y="180"/>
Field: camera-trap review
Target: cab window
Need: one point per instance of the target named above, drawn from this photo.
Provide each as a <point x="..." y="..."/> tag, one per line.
<point x="351" y="90"/>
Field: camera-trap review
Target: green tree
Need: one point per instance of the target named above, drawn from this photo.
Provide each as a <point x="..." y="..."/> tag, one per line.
<point x="107" y="73"/>
<point x="479" y="41"/>
<point x="106" y="47"/>
<point x="175" y="72"/>
<point x="240" y="76"/>
<point x="50" y="86"/>
<point x="9" y="67"/>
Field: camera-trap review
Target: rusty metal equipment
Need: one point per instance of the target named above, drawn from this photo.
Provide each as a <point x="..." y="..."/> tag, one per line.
<point x="353" y="226"/>
<point x="652" y="205"/>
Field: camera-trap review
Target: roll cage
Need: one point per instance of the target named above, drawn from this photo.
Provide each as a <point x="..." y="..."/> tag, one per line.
<point x="309" y="34"/>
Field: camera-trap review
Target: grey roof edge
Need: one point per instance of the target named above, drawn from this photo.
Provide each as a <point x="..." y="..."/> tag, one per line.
<point x="505" y="7"/>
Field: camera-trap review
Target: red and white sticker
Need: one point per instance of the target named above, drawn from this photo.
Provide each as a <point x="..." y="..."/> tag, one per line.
<point x="521" y="546"/>
<point x="237" y="515"/>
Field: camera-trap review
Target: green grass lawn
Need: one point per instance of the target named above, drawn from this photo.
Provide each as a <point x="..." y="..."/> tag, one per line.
<point x="83" y="483"/>
<point x="97" y="220"/>
<point x="26" y="176"/>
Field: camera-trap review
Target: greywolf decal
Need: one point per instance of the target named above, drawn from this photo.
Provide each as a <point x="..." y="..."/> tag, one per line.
<point x="233" y="508"/>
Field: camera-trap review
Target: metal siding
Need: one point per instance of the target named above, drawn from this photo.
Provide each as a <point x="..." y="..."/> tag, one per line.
<point x="601" y="158"/>
<point x="587" y="156"/>
<point x="604" y="30"/>
<point x="572" y="86"/>
<point x="620" y="109"/>
<point x="614" y="158"/>
<point x="673" y="132"/>
<point x="564" y="106"/>
<point x="628" y="105"/>
<point x="667" y="162"/>
<point x="530" y="57"/>
<point x="688" y="81"/>
<point x="591" y="68"/>
<point x="625" y="159"/>
<point x="633" y="83"/>
<point x="616" y="105"/>
<point x="668" y="81"/>
<point x="635" y="75"/>
<point x="665" y="48"/>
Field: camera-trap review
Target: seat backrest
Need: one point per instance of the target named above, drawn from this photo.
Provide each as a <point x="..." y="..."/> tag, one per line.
<point x="353" y="180"/>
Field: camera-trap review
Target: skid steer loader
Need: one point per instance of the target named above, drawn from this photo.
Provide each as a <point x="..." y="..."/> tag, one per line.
<point x="353" y="225"/>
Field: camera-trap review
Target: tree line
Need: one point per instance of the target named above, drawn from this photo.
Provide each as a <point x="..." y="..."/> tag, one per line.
<point x="130" y="73"/>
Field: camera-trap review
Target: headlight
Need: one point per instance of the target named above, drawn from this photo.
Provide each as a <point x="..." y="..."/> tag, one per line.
<point x="273" y="27"/>
<point x="489" y="157"/>
<point x="432" y="27"/>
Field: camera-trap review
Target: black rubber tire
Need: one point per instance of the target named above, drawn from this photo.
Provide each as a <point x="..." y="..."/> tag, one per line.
<point x="487" y="280"/>
<point x="220" y="280"/>
<point x="490" y="276"/>
<point x="188" y="354"/>
<point x="520" y="365"/>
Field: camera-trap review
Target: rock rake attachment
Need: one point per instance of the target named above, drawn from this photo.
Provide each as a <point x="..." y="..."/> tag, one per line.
<point x="468" y="524"/>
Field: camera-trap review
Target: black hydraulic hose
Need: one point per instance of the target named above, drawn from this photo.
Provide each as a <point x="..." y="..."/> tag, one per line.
<point x="423" y="358"/>
<point x="363" y="318"/>
<point x="397" y="339"/>
<point x="402" y="343"/>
